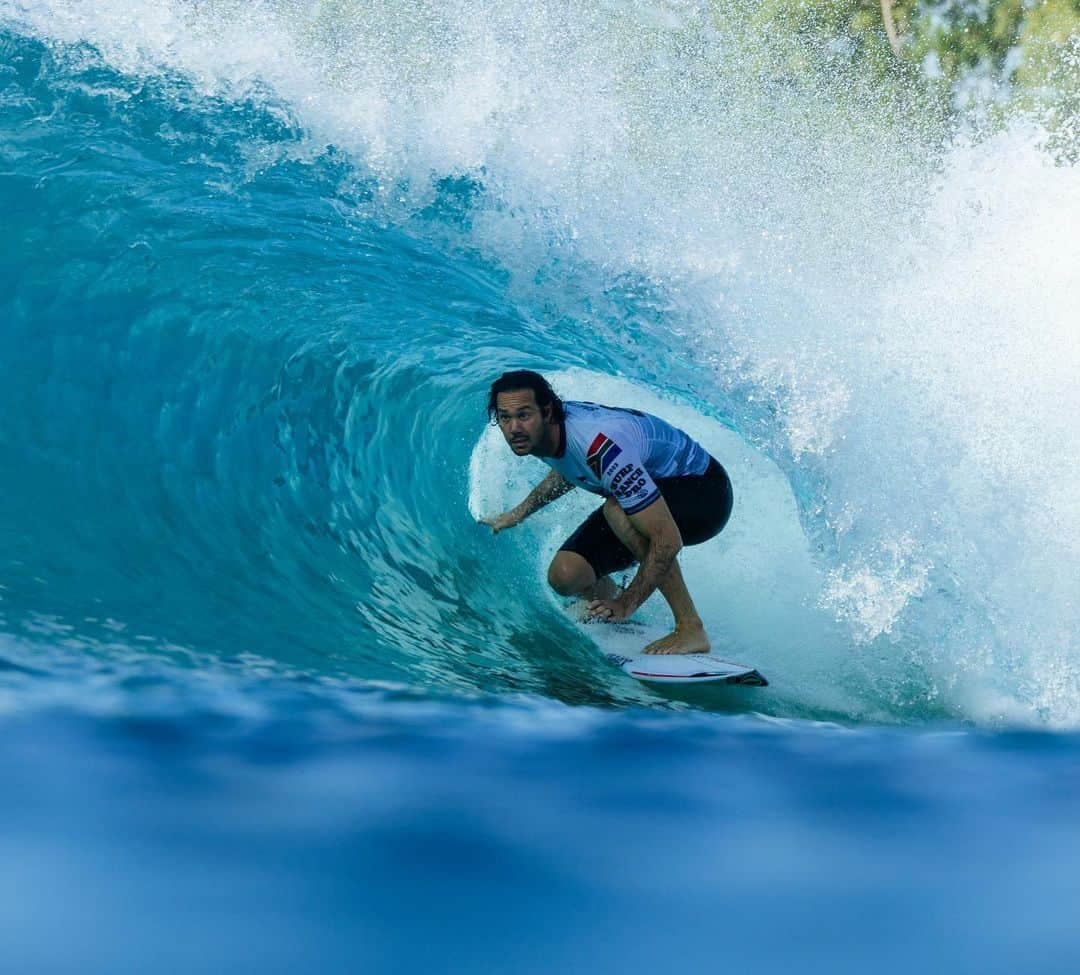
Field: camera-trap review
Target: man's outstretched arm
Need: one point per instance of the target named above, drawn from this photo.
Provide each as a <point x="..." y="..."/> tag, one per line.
<point x="551" y="487"/>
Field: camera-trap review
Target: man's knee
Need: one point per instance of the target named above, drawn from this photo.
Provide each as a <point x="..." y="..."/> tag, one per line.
<point x="569" y="574"/>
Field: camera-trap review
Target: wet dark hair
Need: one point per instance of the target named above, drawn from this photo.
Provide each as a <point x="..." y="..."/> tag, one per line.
<point x="510" y="382"/>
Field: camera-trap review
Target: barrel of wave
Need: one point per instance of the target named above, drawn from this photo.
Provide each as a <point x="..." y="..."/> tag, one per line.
<point x="757" y="585"/>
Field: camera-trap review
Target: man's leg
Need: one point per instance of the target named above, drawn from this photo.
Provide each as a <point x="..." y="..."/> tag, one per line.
<point x="689" y="635"/>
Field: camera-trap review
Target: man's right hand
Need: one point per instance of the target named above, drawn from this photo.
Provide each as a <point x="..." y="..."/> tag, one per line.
<point x="497" y="524"/>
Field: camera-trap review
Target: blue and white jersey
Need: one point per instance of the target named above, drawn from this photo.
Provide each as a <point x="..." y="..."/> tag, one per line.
<point x="620" y="453"/>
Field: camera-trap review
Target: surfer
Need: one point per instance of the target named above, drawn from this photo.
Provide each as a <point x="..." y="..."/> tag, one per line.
<point x="662" y="490"/>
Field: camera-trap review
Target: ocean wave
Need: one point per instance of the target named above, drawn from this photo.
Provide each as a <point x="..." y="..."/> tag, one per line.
<point x="264" y="259"/>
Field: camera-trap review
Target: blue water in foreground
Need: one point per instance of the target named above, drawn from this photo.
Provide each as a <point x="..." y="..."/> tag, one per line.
<point x="271" y="700"/>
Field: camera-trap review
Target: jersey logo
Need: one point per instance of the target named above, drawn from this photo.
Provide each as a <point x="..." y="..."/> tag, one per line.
<point x="602" y="453"/>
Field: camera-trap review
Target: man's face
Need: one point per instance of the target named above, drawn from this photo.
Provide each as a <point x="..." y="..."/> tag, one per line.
<point x="521" y="421"/>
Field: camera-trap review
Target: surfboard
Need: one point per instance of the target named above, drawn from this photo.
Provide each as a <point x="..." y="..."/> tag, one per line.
<point x="687" y="668"/>
<point x="621" y="643"/>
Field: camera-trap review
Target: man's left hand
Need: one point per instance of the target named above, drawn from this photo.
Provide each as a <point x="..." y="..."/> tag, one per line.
<point x="609" y="610"/>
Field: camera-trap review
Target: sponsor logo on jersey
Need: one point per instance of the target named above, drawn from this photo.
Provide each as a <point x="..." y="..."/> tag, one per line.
<point x="627" y="480"/>
<point x="602" y="453"/>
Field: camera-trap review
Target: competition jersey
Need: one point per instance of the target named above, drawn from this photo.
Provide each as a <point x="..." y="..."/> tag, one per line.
<point x="620" y="453"/>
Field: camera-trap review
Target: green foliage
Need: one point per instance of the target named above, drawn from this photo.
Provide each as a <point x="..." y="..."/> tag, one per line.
<point x="1000" y="55"/>
<point x="962" y="34"/>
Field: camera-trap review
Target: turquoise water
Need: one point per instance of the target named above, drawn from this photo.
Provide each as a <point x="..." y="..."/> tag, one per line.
<point x="272" y="697"/>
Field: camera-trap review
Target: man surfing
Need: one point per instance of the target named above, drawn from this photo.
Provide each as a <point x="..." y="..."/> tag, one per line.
<point x="662" y="490"/>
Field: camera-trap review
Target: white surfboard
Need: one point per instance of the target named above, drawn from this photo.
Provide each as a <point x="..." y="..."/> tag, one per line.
<point x="621" y="643"/>
<point x="687" y="668"/>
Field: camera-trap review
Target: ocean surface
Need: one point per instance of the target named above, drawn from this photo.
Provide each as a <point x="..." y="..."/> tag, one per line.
<point x="273" y="700"/>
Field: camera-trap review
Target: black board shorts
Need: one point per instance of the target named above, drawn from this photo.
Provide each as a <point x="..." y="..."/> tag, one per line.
<point x="700" y="505"/>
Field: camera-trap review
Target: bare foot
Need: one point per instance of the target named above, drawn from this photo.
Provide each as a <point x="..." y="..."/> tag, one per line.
<point x="686" y="639"/>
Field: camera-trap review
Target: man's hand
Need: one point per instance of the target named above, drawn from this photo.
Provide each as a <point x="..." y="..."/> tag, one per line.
<point x="610" y="610"/>
<point x="497" y="524"/>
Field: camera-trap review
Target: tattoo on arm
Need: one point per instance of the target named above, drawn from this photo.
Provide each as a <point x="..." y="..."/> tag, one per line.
<point x="551" y="487"/>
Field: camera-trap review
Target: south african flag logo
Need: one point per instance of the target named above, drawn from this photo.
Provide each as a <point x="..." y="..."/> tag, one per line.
<point x="602" y="453"/>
